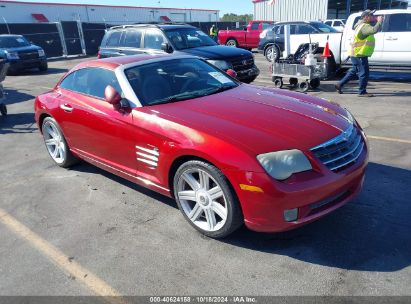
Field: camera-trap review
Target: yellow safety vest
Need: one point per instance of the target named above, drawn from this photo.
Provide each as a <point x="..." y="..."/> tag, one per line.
<point x="362" y="47"/>
<point x="213" y="32"/>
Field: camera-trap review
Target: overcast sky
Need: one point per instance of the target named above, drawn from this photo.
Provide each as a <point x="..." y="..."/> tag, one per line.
<point x="225" y="6"/>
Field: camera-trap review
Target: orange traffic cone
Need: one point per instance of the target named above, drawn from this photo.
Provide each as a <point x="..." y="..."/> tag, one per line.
<point x="326" y="53"/>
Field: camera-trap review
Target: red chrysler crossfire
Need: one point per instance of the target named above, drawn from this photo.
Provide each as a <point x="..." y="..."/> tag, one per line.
<point x="229" y="153"/>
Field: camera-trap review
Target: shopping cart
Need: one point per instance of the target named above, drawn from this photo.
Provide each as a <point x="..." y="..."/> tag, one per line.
<point x="300" y="76"/>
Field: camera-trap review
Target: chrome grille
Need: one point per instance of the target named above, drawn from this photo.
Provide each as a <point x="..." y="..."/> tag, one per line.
<point x="243" y="64"/>
<point x="341" y="151"/>
<point x="32" y="55"/>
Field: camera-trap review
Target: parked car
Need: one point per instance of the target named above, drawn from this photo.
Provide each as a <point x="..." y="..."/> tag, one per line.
<point x="338" y="24"/>
<point x="247" y="38"/>
<point x="272" y="39"/>
<point x="181" y="127"/>
<point x="177" y="40"/>
<point x="392" y="47"/>
<point x="21" y="54"/>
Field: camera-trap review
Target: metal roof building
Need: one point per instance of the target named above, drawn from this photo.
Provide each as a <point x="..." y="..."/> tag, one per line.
<point x="28" y="12"/>
<point x="294" y="10"/>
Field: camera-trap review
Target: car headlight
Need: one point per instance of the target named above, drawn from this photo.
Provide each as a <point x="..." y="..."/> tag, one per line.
<point x="12" y="55"/>
<point x="350" y="117"/>
<point x="281" y="165"/>
<point x="221" y="64"/>
<point x="41" y="53"/>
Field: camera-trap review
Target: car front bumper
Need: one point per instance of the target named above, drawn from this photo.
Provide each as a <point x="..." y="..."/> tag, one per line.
<point x="314" y="194"/>
<point x="246" y="74"/>
<point x="24" y="64"/>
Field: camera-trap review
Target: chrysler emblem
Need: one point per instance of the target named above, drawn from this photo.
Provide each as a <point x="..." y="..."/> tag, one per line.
<point x="244" y="62"/>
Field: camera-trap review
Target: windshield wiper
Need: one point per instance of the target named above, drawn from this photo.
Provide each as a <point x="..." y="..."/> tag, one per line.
<point x="220" y="89"/>
<point x="175" y="98"/>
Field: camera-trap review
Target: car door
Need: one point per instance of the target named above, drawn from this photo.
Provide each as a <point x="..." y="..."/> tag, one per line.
<point x="132" y="42"/>
<point x="94" y="128"/>
<point x="153" y="39"/>
<point x="111" y="47"/>
<point x="300" y="34"/>
<point x="252" y="37"/>
<point x="397" y="46"/>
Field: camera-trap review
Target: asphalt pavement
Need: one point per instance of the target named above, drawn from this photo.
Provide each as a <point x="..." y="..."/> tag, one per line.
<point x="85" y="232"/>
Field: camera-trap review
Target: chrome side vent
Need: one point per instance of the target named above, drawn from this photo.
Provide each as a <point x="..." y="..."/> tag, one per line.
<point x="148" y="156"/>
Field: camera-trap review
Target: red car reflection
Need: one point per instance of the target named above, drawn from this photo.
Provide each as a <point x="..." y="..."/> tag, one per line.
<point x="229" y="153"/>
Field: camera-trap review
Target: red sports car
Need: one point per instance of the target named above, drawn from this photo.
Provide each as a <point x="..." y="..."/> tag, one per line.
<point x="229" y="153"/>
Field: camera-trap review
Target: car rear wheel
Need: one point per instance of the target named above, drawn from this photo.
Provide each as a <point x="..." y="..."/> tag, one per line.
<point x="231" y="43"/>
<point x="56" y="144"/>
<point x="206" y="199"/>
<point x="272" y="53"/>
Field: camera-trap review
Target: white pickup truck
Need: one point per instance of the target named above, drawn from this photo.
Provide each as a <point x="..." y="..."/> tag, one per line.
<point x="393" y="47"/>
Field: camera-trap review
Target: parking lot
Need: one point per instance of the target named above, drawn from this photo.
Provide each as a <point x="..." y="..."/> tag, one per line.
<point x="87" y="232"/>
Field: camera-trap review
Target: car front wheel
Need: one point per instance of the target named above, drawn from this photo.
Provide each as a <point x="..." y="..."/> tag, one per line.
<point x="206" y="199"/>
<point x="56" y="144"/>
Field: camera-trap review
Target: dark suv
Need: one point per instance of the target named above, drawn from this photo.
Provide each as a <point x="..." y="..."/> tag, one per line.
<point x="177" y="39"/>
<point x="272" y="39"/>
<point x="21" y="54"/>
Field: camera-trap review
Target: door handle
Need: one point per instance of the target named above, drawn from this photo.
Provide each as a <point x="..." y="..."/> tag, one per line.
<point x="391" y="39"/>
<point x="66" y="108"/>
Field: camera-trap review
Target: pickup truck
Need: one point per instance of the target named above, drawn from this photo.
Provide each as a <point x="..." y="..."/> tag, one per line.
<point x="247" y="38"/>
<point x="392" y="49"/>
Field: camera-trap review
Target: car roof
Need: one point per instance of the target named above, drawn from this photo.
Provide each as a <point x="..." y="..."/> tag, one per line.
<point x="294" y="22"/>
<point x="10" y="35"/>
<point x="387" y="12"/>
<point x="113" y="63"/>
<point x="164" y="26"/>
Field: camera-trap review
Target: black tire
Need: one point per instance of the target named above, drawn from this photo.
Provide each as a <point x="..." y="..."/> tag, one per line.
<point x="304" y="86"/>
<point x="315" y="83"/>
<point x="294" y="82"/>
<point x="3" y="109"/>
<point x="278" y="83"/>
<point x="231" y="42"/>
<point x="249" y="80"/>
<point x="69" y="159"/>
<point x="44" y="67"/>
<point x="12" y="72"/>
<point x="276" y="54"/>
<point x="234" y="217"/>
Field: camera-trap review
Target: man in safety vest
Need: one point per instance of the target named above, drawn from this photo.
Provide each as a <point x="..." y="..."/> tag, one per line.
<point x="214" y="33"/>
<point x="362" y="47"/>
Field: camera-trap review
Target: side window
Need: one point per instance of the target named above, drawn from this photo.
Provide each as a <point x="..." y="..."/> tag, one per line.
<point x="329" y="23"/>
<point x="305" y="29"/>
<point x="266" y="26"/>
<point x="254" y="26"/>
<point x="91" y="81"/>
<point x="338" y="23"/>
<point x="399" y="23"/>
<point x="153" y="39"/>
<point x="133" y="38"/>
<point x="114" y="39"/>
<point x="355" y="22"/>
<point x="280" y="30"/>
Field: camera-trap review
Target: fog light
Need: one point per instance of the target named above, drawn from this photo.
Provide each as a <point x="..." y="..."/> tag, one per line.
<point x="291" y="215"/>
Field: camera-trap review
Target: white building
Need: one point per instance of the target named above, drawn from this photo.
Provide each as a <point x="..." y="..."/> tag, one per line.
<point x="28" y="12"/>
<point x="310" y="10"/>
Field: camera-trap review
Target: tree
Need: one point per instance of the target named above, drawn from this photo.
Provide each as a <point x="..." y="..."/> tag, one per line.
<point x="235" y="17"/>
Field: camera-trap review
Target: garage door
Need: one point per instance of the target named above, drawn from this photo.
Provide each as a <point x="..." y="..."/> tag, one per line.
<point x="178" y="17"/>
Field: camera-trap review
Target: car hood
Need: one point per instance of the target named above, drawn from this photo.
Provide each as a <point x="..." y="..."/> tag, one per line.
<point x="23" y="49"/>
<point x="217" y="52"/>
<point x="261" y="120"/>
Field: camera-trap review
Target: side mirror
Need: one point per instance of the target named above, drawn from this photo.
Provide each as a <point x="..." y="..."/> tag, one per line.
<point x="232" y="73"/>
<point x="112" y="96"/>
<point x="166" y="48"/>
<point x="245" y="29"/>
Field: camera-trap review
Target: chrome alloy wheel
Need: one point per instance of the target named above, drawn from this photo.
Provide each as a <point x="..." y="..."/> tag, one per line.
<point x="231" y="43"/>
<point x="202" y="200"/>
<point x="55" y="144"/>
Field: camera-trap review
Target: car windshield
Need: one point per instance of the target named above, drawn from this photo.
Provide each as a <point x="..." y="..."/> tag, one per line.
<point x="187" y="38"/>
<point x="13" y="42"/>
<point x="175" y="80"/>
<point x="324" y="28"/>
